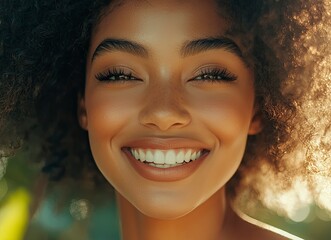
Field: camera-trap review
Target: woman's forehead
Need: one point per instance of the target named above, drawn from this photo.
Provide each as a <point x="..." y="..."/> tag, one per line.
<point x="159" y="21"/>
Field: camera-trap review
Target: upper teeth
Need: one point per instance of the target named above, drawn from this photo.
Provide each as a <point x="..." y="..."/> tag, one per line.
<point x="170" y="157"/>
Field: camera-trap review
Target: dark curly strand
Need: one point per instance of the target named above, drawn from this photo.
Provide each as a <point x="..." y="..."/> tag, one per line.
<point x="42" y="70"/>
<point x="42" y="65"/>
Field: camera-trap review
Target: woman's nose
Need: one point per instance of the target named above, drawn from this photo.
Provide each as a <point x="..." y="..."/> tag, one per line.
<point x="164" y="110"/>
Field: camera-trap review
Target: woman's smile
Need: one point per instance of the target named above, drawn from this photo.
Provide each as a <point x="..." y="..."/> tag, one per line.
<point x="165" y="159"/>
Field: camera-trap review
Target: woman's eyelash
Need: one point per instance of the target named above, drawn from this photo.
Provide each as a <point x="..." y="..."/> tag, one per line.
<point x="211" y="75"/>
<point x="215" y="74"/>
<point x="115" y="75"/>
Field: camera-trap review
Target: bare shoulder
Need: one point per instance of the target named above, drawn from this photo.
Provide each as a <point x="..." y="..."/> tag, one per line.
<point x="251" y="231"/>
<point x="237" y="228"/>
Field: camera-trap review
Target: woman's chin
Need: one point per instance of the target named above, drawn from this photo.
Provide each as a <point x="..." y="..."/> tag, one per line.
<point x="160" y="206"/>
<point x="164" y="212"/>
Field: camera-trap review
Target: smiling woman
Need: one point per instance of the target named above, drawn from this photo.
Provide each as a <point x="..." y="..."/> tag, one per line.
<point x="180" y="89"/>
<point x="175" y="101"/>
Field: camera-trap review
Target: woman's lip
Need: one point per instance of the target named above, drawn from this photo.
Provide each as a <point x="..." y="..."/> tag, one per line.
<point x="166" y="143"/>
<point x="164" y="174"/>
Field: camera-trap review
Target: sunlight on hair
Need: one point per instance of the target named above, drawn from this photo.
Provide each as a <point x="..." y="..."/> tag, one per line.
<point x="318" y="112"/>
<point x="291" y="196"/>
<point x="312" y="185"/>
<point x="293" y="202"/>
<point x="323" y="191"/>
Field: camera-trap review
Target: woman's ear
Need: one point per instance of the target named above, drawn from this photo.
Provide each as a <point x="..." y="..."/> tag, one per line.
<point x="81" y="112"/>
<point x="256" y="125"/>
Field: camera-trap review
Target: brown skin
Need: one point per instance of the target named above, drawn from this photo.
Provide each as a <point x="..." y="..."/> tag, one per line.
<point x="166" y="100"/>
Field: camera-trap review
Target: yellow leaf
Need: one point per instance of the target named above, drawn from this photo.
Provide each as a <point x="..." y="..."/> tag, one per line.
<point x="14" y="215"/>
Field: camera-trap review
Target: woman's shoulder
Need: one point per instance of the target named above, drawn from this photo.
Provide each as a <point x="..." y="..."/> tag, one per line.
<point x="243" y="227"/>
<point x="255" y="232"/>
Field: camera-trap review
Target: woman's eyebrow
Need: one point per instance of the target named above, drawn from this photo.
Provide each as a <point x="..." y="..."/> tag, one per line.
<point x="210" y="43"/>
<point x="189" y="48"/>
<point x="111" y="44"/>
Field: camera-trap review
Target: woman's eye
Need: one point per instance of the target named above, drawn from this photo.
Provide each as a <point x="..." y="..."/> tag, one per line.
<point x="215" y="75"/>
<point x="116" y="75"/>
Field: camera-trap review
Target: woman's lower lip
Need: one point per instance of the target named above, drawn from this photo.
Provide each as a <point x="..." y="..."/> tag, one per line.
<point x="164" y="174"/>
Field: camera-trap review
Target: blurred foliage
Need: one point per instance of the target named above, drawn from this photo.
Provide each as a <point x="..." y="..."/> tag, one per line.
<point x="14" y="215"/>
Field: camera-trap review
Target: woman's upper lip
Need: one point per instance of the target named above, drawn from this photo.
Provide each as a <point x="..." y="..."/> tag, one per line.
<point x="166" y="143"/>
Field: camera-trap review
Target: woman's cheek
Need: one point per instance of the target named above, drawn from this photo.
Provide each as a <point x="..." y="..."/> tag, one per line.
<point x="109" y="111"/>
<point x="227" y="117"/>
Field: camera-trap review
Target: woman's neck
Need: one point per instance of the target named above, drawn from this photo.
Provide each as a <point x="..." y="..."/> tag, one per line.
<point x="204" y="222"/>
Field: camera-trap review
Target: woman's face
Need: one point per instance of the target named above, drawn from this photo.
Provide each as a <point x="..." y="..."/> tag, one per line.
<point x="166" y="84"/>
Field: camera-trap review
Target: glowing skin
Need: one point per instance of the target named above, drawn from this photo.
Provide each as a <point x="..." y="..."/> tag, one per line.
<point x="166" y="101"/>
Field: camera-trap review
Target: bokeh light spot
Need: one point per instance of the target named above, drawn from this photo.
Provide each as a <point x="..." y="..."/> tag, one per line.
<point x="79" y="209"/>
<point x="300" y="214"/>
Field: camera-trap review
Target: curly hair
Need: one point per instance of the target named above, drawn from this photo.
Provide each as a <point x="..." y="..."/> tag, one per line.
<point x="43" y="50"/>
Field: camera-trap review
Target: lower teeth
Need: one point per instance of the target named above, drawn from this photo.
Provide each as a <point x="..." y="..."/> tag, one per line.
<point x="164" y="165"/>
